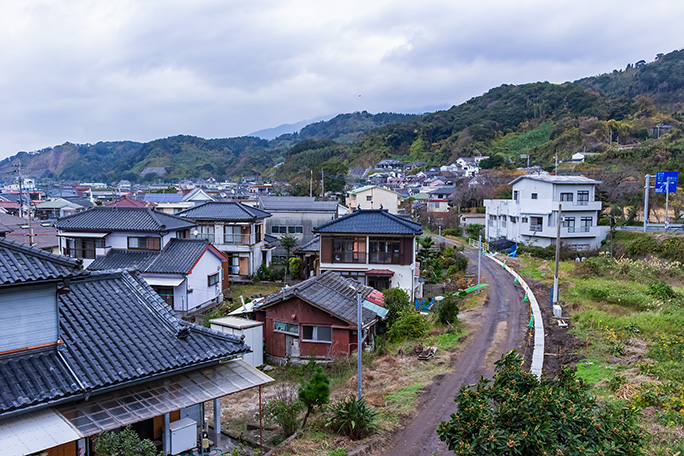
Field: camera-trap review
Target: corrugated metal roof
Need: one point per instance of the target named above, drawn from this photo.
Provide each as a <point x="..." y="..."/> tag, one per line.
<point x="370" y="221"/>
<point x="227" y="211"/>
<point x="330" y="292"/>
<point x="141" y="219"/>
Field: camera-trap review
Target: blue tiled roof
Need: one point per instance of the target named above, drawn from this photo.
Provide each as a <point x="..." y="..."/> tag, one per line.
<point x="370" y="221"/>
<point x="141" y="219"/>
<point x="20" y="263"/>
<point x="227" y="211"/>
<point x="178" y="257"/>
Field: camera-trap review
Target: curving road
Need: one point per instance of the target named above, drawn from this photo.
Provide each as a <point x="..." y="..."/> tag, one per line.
<point x="502" y="330"/>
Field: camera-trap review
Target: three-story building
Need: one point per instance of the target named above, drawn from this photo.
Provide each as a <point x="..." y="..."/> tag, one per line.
<point x="531" y="215"/>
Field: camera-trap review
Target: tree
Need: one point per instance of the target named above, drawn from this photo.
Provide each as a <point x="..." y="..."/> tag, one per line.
<point x="124" y="443"/>
<point x="396" y="301"/>
<point x="474" y="229"/>
<point x="315" y="392"/>
<point x="289" y="242"/>
<point x="519" y="414"/>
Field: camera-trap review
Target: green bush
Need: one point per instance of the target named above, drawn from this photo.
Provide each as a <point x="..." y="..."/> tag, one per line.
<point x="519" y="414"/>
<point x="284" y="410"/>
<point x="474" y="229"/>
<point x="447" y="312"/>
<point x="296" y="267"/>
<point x="353" y="418"/>
<point x="409" y="325"/>
<point x="315" y="392"/>
<point x="396" y="301"/>
<point x="124" y="443"/>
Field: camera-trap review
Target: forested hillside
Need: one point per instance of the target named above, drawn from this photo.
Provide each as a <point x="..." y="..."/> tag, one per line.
<point x="628" y="117"/>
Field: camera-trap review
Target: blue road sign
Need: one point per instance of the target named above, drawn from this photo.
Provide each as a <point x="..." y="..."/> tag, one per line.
<point x="666" y="181"/>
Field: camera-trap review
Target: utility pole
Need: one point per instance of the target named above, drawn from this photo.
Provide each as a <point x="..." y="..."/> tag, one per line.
<point x="21" y="205"/>
<point x="556" y="167"/>
<point x="311" y="185"/>
<point x="322" y="185"/>
<point x="359" y="330"/>
<point x="558" y="232"/>
<point x="479" y="257"/>
<point x="667" y="206"/>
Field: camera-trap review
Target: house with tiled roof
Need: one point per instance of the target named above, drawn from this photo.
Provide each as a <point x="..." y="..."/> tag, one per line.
<point x="374" y="247"/>
<point x="187" y="273"/>
<point x="94" y="232"/>
<point x="126" y="201"/>
<point x="37" y="234"/>
<point x="296" y="216"/>
<point x="318" y="318"/>
<point x="438" y="199"/>
<point x="85" y="352"/>
<point x="237" y="230"/>
<point x="173" y="203"/>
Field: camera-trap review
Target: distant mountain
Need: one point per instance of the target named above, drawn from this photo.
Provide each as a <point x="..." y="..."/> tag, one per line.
<point x="284" y="129"/>
<point x="615" y="114"/>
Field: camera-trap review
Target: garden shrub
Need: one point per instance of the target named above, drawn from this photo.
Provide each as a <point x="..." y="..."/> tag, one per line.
<point x="353" y="418"/>
<point x="396" y="301"/>
<point x="409" y="325"/>
<point x="519" y="414"/>
<point x="447" y="312"/>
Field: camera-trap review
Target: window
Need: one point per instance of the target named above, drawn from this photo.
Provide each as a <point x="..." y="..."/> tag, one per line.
<point x="513" y="219"/>
<point x="144" y="243"/>
<point x="232" y="234"/>
<point x="585" y="224"/>
<point x="357" y="276"/>
<point x="213" y="279"/>
<point x="82" y="248"/>
<point x="379" y="283"/>
<point x="516" y="195"/>
<point x="566" y="196"/>
<point x="524" y="220"/>
<point x="349" y="250"/>
<point x="536" y="223"/>
<point x="285" y="327"/>
<point x="369" y="198"/>
<point x="295" y="229"/>
<point x="385" y="251"/>
<point x="583" y="198"/>
<point x="274" y="229"/>
<point x="317" y="333"/>
<point x="534" y="196"/>
<point x="569" y="223"/>
<point x="257" y="231"/>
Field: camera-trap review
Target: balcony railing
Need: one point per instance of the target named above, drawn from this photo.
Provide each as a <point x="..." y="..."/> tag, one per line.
<point x="349" y="257"/>
<point x="239" y="239"/>
<point x="208" y="236"/>
<point x="384" y="258"/>
<point x="536" y="227"/>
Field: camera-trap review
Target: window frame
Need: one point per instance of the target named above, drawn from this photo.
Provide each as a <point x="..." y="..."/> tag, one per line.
<point x="534" y="196"/>
<point x="314" y="334"/>
<point x="286" y="327"/>
<point x="213" y="279"/>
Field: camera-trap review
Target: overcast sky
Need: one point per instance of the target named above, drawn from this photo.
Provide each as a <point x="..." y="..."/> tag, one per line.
<point x="88" y="71"/>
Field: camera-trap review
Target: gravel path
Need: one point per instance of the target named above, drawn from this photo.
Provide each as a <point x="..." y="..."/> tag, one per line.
<point x="502" y="329"/>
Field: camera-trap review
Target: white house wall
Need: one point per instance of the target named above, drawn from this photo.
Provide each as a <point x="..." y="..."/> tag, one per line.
<point x="513" y="218"/>
<point x="198" y="281"/>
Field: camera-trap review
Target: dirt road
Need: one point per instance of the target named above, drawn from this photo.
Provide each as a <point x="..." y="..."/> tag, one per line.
<point x="502" y="329"/>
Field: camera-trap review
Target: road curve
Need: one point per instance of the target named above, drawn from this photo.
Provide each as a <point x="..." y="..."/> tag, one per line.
<point x="505" y="312"/>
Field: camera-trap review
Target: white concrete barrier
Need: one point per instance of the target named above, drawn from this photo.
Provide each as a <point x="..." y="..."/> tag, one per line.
<point x="538" y="351"/>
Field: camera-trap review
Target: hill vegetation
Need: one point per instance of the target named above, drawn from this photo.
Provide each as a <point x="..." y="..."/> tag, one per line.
<point x="628" y="117"/>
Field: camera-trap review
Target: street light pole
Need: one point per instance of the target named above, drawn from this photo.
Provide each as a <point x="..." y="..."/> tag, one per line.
<point x="359" y="329"/>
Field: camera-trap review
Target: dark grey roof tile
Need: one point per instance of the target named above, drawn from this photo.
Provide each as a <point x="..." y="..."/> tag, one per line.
<point x="227" y="211"/>
<point x="370" y="221"/>
<point x="20" y="263"/>
<point x="142" y="219"/>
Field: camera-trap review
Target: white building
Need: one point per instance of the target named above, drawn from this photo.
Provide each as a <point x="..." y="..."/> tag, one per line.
<point x="531" y="215"/>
